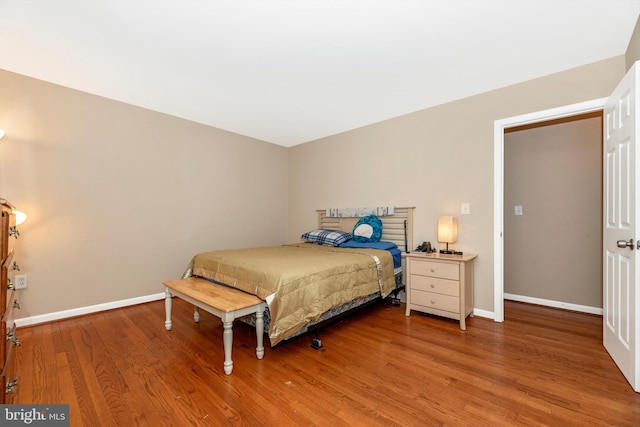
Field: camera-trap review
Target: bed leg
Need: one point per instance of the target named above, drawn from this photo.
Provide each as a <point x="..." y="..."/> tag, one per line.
<point x="316" y="344"/>
<point x="196" y="314"/>
<point x="167" y="308"/>
<point x="396" y="299"/>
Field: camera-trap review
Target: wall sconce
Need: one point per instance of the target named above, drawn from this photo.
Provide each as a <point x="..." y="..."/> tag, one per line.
<point x="20" y="216"/>
<point x="447" y="232"/>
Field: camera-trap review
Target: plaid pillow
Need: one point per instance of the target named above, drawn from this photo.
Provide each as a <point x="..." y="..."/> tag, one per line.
<point x="326" y="237"/>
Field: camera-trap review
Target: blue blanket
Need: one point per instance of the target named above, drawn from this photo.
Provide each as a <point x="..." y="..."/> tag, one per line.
<point x="389" y="246"/>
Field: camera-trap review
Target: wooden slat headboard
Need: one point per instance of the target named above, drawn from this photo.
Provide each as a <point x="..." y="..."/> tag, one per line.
<point x="393" y="226"/>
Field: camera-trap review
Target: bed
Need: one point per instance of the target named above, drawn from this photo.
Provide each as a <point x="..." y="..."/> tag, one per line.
<point x="308" y="283"/>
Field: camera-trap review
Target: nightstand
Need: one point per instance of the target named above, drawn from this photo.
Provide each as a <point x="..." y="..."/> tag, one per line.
<point x="440" y="284"/>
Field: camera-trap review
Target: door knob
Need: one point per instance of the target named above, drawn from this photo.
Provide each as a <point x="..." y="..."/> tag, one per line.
<point x="624" y="244"/>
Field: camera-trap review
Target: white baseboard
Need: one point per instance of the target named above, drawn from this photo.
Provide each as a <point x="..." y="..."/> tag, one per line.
<point x="483" y="313"/>
<point x="555" y="304"/>
<point x="59" y="315"/>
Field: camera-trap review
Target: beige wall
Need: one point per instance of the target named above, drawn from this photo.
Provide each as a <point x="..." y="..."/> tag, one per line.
<point x="554" y="250"/>
<point x="434" y="159"/>
<point x="119" y="198"/>
<point x="633" y="50"/>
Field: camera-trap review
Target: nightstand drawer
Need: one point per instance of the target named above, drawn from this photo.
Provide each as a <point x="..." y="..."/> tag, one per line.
<point x="437" y="301"/>
<point x="435" y="284"/>
<point x="435" y="269"/>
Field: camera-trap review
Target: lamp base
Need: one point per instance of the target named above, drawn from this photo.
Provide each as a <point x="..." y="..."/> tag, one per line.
<point x="446" y="252"/>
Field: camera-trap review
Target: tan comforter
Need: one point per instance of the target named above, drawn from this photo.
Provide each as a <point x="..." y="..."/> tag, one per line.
<point x="299" y="282"/>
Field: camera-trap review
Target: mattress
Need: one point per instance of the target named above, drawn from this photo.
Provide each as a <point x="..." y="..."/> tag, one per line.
<point x="299" y="282"/>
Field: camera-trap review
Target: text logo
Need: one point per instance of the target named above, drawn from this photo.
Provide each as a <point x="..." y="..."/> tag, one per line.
<point x="34" y="415"/>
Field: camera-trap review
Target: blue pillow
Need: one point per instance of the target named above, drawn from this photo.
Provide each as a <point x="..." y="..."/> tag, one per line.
<point x="368" y="229"/>
<point x="326" y="237"/>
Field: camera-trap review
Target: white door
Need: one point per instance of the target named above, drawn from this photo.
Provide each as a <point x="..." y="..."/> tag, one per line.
<point x="620" y="271"/>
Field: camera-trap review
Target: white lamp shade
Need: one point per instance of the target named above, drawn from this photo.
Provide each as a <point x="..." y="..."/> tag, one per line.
<point x="447" y="229"/>
<point x="20" y="216"/>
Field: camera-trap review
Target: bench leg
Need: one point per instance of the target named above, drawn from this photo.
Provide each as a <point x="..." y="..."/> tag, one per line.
<point x="227" y="339"/>
<point x="167" y="308"/>
<point x="260" y="332"/>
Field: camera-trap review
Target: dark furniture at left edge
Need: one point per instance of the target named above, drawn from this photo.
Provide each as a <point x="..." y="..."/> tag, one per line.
<point x="8" y="304"/>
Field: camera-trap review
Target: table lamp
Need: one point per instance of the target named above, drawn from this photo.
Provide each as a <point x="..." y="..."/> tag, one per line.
<point x="447" y="232"/>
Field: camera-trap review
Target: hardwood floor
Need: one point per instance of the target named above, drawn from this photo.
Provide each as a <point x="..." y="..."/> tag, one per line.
<point x="122" y="368"/>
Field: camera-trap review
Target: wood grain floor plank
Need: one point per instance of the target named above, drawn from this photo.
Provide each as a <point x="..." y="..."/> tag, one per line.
<point x="541" y="366"/>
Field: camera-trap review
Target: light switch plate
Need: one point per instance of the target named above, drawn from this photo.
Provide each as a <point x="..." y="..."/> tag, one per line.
<point x="517" y="210"/>
<point x="465" y="209"/>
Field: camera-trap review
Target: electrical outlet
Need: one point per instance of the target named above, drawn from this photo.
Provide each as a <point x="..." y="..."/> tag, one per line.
<point x="465" y="209"/>
<point x="21" y="281"/>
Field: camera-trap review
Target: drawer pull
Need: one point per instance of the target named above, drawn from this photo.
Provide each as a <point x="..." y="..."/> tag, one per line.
<point x="13" y="231"/>
<point x="9" y="284"/>
<point x="16" y="267"/>
<point x="11" y="337"/>
<point x="11" y="385"/>
<point x="433" y="270"/>
<point x="433" y="286"/>
<point x="16" y="304"/>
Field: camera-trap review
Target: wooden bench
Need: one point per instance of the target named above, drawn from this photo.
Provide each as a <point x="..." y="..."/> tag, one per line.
<point x="221" y="301"/>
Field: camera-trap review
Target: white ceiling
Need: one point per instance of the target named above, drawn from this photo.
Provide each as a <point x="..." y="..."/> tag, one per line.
<point x="291" y="71"/>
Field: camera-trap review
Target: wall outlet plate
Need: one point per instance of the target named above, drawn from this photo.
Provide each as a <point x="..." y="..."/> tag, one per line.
<point x="21" y="281"/>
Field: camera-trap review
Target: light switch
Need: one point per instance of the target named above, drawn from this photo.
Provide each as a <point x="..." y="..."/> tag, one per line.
<point x="465" y="209"/>
<point x="517" y="210"/>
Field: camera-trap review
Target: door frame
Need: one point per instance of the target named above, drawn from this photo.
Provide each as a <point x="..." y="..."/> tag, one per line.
<point x="498" y="183"/>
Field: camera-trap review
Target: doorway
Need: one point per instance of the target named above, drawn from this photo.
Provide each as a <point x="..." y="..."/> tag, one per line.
<point x="499" y="130"/>
<point x="553" y="213"/>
